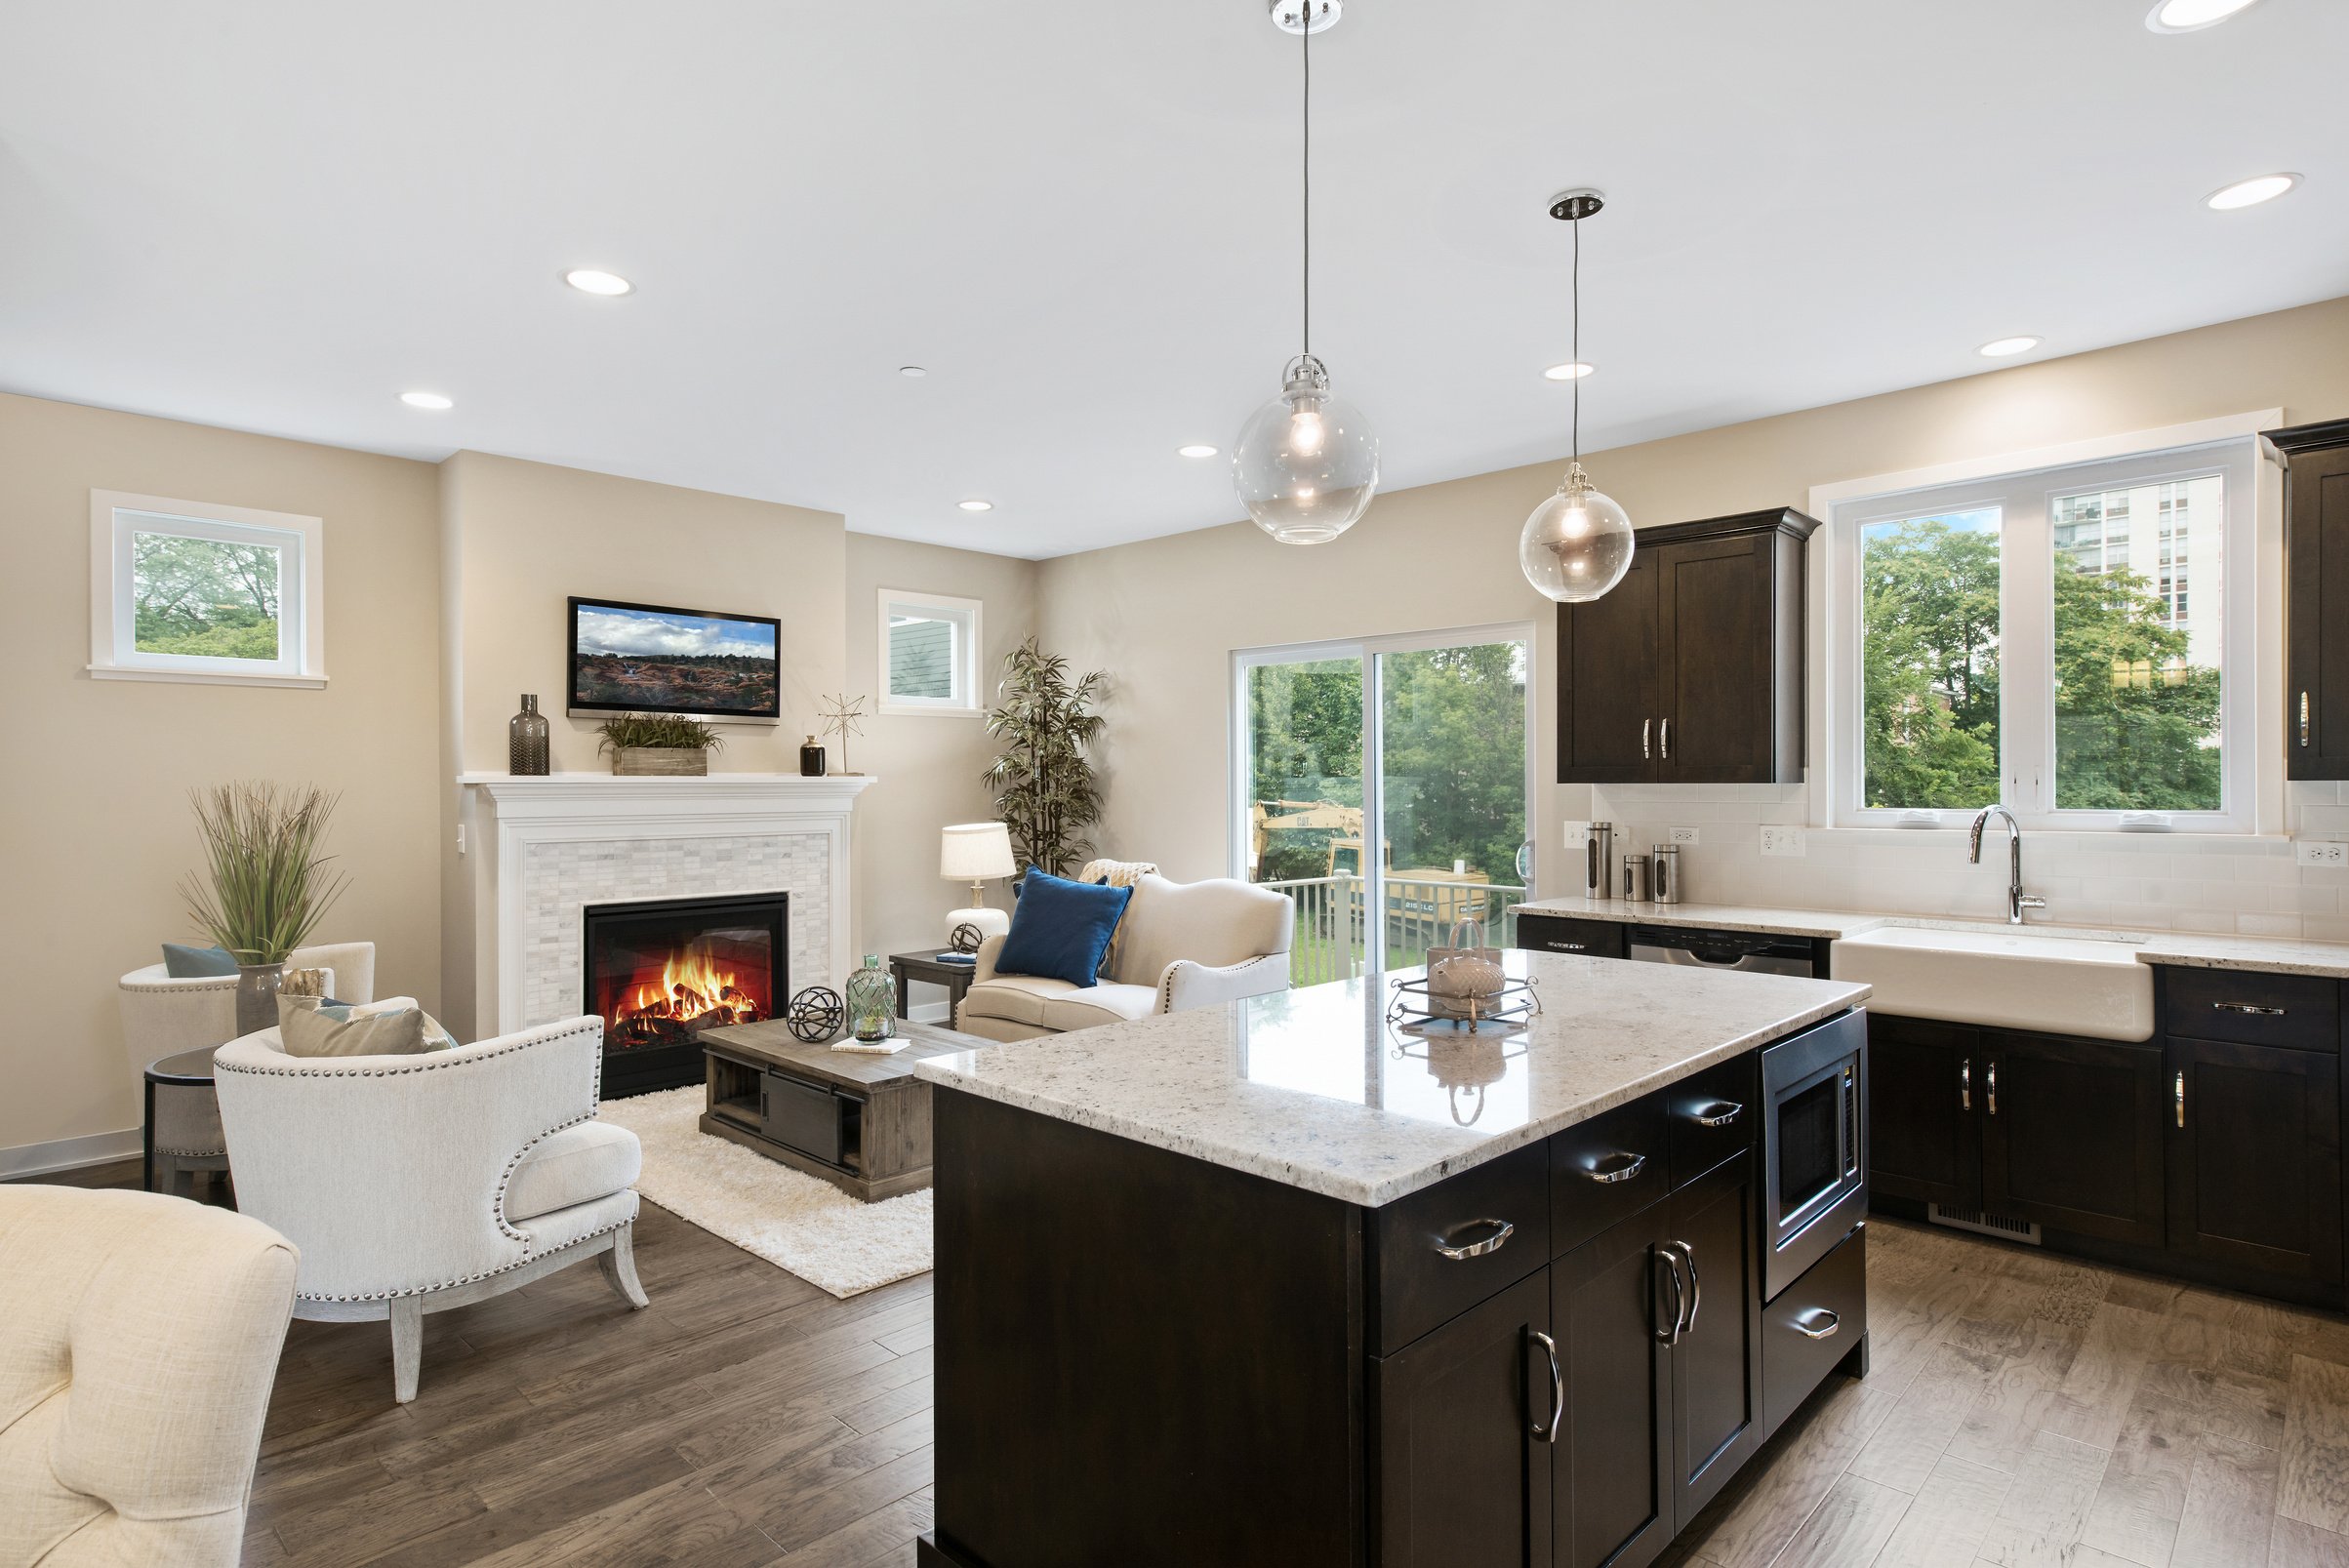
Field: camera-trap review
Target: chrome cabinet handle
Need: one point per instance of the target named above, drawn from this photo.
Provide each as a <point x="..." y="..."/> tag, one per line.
<point x="2181" y="1099"/>
<point x="1548" y="1432"/>
<point x="1696" y="1283"/>
<point x="1664" y="738"/>
<point x="2252" y="1008"/>
<point x="1720" y="1113"/>
<point x="1502" y="1230"/>
<point x="1679" y="1297"/>
<point x="1966" y="1084"/>
<point x="1608" y="1169"/>
<point x="2304" y="718"/>
<point x="1820" y="1323"/>
<point x="1994" y="1088"/>
<point x="1646" y="725"/>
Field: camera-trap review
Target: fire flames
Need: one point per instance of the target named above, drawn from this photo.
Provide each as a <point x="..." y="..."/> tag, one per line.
<point x="693" y="994"/>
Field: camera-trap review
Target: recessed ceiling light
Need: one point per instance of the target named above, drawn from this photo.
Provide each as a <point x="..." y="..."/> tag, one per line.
<point x="1196" y="449"/>
<point x="1568" y="373"/>
<point x="2250" y="192"/>
<point x="2193" y="16"/>
<point x="430" y="400"/>
<point x="911" y="372"/>
<point x="604" y="285"/>
<point x="976" y="506"/>
<point x="2004" y="347"/>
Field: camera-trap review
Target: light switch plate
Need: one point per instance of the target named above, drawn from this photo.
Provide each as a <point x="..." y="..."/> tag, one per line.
<point x="2320" y="851"/>
<point x="1578" y="834"/>
<point x="1685" y="835"/>
<point x="1782" y="841"/>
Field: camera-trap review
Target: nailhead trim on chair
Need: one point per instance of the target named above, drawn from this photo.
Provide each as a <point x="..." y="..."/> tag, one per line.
<point x="487" y="1274"/>
<point x="1166" y="982"/>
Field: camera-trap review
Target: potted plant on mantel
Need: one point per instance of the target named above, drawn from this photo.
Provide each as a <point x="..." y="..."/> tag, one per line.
<point x="650" y="746"/>
<point x="265" y="885"/>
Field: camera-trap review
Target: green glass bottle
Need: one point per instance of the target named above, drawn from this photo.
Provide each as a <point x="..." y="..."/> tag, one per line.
<point x="872" y="1001"/>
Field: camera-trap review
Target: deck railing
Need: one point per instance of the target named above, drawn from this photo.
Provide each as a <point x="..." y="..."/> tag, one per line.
<point x="1330" y="937"/>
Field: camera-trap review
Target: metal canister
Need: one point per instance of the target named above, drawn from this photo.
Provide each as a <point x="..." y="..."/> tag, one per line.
<point x="1636" y="873"/>
<point x="1599" y="869"/>
<point x="1663" y="875"/>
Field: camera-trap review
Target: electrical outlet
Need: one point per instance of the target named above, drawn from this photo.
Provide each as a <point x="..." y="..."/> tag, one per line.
<point x="2320" y="851"/>
<point x="1782" y="841"/>
<point x="1685" y="835"/>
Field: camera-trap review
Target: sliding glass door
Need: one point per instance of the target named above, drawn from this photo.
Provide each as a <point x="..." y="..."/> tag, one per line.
<point x="1424" y="735"/>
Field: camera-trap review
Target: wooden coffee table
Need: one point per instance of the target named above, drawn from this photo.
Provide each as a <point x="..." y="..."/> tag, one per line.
<point x="861" y="1122"/>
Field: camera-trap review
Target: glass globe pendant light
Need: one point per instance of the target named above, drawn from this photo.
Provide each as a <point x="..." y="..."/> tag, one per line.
<point x="1577" y="544"/>
<point x="1306" y="464"/>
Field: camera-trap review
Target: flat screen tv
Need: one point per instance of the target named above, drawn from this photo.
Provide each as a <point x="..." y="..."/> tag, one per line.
<point x="651" y="659"/>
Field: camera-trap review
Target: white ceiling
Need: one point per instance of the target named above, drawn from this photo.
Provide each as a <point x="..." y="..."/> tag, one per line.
<point x="278" y="216"/>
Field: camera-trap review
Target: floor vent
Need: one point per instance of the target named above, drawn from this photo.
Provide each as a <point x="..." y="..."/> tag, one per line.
<point x="1986" y="1225"/>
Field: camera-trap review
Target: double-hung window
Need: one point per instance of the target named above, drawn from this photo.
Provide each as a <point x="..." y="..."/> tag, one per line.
<point x="2075" y="642"/>
<point x="929" y="653"/>
<point x="187" y="591"/>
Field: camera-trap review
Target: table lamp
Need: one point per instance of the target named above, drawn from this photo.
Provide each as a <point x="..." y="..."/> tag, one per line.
<point x="973" y="853"/>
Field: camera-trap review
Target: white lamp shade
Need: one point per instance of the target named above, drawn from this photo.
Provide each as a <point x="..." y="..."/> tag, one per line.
<point x="974" y="852"/>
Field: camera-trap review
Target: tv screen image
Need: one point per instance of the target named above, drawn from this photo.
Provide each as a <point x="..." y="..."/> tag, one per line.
<point x="652" y="658"/>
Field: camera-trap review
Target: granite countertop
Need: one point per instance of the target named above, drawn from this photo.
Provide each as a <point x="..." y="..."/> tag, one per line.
<point x="2278" y="955"/>
<point x="1315" y="1088"/>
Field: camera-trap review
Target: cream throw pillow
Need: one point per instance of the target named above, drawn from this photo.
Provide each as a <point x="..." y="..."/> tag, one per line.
<point x="314" y="1026"/>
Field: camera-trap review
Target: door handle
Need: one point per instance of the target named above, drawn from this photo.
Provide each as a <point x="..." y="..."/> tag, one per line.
<point x="1492" y="1241"/>
<point x="1966" y="1084"/>
<point x="1664" y="737"/>
<point x="1646" y="725"/>
<point x="2252" y="1008"/>
<point x="1720" y="1113"/>
<point x="1820" y="1323"/>
<point x="1608" y="1169"/>
<point x="2304" y="718"/>
<point x="1696" y="1285"/>
<point x="2180" y="1086"/>
<point x="1680" y="1300"/>
<point x="1993" y="1086"/>
<point x="1548" y="1432"/>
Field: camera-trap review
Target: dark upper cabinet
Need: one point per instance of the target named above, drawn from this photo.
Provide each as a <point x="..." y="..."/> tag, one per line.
<point x="2315" y="599"/>
<point x="1925" y="1141"/>
<point x="1691" y="670"/>
<point x="2072" y="1134"/>
<point x="2256" y="1156"/>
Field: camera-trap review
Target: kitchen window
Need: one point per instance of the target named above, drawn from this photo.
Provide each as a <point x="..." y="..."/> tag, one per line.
<point x="192" y="591"/>
<point x="929" y="653"/>
<point x="2074" y="641"/>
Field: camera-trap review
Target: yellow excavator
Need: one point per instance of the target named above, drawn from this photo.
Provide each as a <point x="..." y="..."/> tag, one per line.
<point x="1439" y="894"/>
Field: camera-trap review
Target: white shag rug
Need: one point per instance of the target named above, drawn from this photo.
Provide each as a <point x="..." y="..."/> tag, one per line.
<point x="792" y="1219"/>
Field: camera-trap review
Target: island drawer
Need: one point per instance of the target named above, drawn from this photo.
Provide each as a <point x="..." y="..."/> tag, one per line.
<point x="2298" y="1011"/>
<point x="1606" y="1169"/>
<point x="1811" y="1325"/>
<point x="1557" y="933"/>
<point x="1442" y="1250"/>
<point x="1712" y="1116"/>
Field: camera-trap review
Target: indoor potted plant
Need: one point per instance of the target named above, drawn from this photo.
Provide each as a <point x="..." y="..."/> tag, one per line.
<point x="658" y="744"/>
<point x="265" y="884"/>
<point x="1047" y="791"/>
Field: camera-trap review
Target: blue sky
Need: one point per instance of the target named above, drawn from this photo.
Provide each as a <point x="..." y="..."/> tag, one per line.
<point x="643" y="631"/>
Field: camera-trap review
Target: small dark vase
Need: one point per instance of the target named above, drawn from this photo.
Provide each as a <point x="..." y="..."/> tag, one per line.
<point x="526" y="741"/>
<point x="257" y="989"/>
<point x="811" y="759"/>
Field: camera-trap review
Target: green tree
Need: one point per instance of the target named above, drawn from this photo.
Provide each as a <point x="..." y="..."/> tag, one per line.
<point x="204" y="597"/>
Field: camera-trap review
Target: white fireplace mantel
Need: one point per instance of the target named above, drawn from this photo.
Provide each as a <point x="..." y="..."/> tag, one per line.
<point x="542" y="848"/>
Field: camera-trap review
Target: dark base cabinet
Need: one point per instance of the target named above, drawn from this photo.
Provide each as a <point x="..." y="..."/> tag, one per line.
<point x="2254" y="1158"/>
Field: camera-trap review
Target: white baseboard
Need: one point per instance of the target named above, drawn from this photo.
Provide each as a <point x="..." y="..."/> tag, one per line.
<point x="931" y="1013"/>
<point x="70" y="1154"/>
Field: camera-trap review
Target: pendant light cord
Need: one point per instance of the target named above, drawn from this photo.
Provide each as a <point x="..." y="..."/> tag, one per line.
<point x="1306" y="113"/>
<point x="1576" y="287"/>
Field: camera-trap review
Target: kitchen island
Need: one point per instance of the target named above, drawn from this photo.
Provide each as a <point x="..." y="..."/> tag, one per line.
<point x="1294" y="1284"/>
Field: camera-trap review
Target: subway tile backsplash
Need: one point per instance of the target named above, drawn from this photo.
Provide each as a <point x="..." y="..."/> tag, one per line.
<point x="2142" y="881"/>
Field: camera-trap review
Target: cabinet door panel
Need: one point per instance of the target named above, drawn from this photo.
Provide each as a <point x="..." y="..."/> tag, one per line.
<point x="1462" y="1481"/>
<point x="1606" y="682"/>
<point x="2316" y="554"/>
<point x="1717" y="1365"/>
<point x="1613" y="1481"/>
<point x="2254" y="1158"/>
<point x="2072" y="1134"/>
<point x="1714" y="609"/>
<point x="1925" y="1099"/>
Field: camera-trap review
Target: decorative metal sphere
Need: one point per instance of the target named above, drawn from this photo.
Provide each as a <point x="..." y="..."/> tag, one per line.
<point x="1577" y="544"/>
<point x="814" y="1014"/>
<point x="964" y="938"/>
<point x="1306" y="464"/>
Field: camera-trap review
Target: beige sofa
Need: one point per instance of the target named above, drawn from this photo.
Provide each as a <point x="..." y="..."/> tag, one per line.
<point x="1180" y="946"/>
<point x="138" y="1337"/>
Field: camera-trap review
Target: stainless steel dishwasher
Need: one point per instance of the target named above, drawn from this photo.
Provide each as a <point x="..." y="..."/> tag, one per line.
<point x="1756" y="951"/>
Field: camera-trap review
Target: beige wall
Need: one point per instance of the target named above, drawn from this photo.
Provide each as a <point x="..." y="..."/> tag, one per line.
<point x="929" y="765"/>
<point x="1164" y="615"/>
<point x="94" y="798"/>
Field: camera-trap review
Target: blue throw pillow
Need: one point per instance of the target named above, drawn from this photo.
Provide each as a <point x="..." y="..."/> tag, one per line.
<point x="182" y="962"/>
<point x="1060" y="929"/>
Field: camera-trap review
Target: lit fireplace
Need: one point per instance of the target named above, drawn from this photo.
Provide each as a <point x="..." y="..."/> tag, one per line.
<point x="659" y="973"/>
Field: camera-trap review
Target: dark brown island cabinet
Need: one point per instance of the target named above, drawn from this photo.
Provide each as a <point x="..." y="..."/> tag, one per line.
<point x="2211" y="1150"/>
<point x="1552" y="1359"/>
<point x="1690" y="671"/>
<point x="2315" y="599"/>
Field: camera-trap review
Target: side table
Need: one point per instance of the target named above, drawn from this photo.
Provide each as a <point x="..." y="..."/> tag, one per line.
<point x="188" y="1136"/>
<point x="909" y="967"/>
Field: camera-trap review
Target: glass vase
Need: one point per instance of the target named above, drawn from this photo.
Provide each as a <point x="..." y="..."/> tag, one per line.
<point x="872" y="1001"/>
<point x="257" y="989"/>
<point x="526" y="741"/>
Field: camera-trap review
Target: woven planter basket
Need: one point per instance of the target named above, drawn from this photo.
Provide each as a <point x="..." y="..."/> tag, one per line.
<point x="660" y="762"/>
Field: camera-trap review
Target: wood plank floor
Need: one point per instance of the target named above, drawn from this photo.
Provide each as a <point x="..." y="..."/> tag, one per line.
<point x="2022" y="1410"/>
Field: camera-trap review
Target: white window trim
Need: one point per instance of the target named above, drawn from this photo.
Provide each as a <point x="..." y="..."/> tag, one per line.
<point x="301" y="617"/>
<point x="2253" y="589"/>
<point x="968" y="703"/>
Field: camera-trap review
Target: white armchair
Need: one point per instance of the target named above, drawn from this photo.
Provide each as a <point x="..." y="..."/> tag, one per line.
<point x="414" y="1184"/>
<point x="1180" y="946"/>
<point x="163" y="1017"/>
